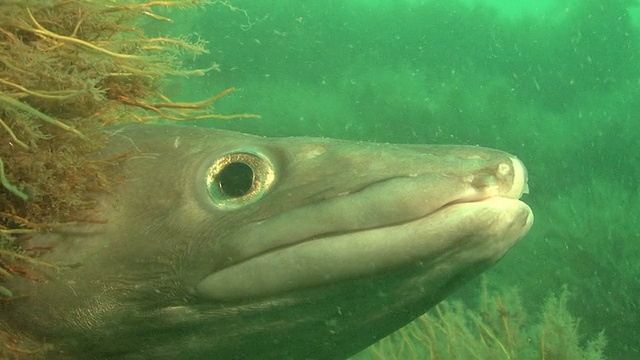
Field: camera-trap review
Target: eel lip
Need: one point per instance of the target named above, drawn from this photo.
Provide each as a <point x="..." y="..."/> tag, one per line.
<point x="520" y="180"/>
<point x="454" y="238"/>
<point x="460" y="233"/>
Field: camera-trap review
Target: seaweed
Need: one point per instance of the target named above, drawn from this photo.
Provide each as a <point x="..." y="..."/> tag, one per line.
<point x="592" y="230"/>
<point x="498" y="329"/>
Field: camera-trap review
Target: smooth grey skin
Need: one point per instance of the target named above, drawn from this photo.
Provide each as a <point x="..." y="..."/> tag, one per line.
<point x="340" y="244"/>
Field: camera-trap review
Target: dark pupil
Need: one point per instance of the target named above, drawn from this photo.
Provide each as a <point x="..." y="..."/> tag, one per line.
<point x="235" y="179"/>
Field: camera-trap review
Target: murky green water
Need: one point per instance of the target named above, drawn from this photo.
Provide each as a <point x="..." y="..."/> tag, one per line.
<point x="555" y="82"/>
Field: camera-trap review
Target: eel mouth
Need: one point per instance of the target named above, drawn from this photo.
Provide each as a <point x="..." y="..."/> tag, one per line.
<point x="476" y="225"/>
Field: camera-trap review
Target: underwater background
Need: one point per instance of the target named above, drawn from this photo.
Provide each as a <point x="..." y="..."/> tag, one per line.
<point x="555" y="82"/>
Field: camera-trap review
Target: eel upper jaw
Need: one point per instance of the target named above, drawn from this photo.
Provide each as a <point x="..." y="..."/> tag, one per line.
<point x="343" y="255"/>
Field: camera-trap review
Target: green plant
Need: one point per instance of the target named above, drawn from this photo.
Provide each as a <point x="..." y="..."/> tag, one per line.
<point x="497" y="329"/>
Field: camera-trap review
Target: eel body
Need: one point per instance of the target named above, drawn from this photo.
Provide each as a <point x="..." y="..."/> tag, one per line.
<point x="220" y="245"/>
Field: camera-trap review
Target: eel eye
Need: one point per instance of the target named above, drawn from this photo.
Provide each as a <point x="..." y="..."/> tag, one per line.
<point x="238" y="179"/>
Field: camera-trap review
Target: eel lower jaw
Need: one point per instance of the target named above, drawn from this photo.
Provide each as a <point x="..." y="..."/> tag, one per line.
<point x="460" y="234"/>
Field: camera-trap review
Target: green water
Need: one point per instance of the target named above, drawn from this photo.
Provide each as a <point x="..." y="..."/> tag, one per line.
<point x="555" y="82"/>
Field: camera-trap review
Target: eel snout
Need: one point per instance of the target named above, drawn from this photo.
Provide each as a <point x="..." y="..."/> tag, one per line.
<point x="471" y="226"/>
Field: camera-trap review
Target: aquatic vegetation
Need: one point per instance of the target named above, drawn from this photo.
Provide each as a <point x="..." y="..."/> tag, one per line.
<point x="593" y="232"/>
<point x="498" y="328"/>
<point x="66" y="68"/>
<point x="18" y="346"/>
